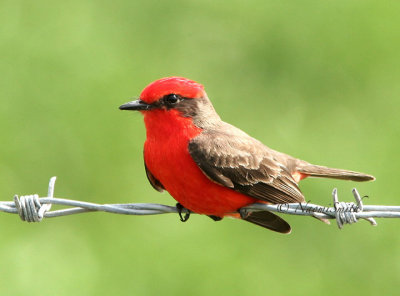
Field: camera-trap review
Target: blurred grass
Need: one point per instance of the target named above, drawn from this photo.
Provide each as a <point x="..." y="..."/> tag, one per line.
<point x="318" y="80"/>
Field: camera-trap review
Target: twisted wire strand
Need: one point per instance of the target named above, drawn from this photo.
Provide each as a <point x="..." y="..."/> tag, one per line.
<point x="32" y="208"/>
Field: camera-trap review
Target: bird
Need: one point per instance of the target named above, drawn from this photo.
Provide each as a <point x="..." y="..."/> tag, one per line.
<point x="211" y="167"/>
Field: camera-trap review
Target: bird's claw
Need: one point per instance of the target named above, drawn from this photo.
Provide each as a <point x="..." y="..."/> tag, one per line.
<point x="181" y="209"/>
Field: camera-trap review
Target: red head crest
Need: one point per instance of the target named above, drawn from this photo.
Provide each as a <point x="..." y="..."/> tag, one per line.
<point x="171" y="85"/>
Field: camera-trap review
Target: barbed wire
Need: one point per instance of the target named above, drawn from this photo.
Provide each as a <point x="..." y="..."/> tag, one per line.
<point x="32" y="208"/>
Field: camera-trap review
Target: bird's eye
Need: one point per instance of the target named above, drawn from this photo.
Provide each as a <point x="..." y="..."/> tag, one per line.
<point x="172" y="99"/>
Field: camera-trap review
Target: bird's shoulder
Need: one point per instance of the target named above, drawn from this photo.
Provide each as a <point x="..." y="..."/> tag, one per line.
<point x="228" y="146"/>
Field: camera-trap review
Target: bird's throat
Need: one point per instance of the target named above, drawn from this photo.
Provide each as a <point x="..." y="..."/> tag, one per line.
<point x="165" y="125"/>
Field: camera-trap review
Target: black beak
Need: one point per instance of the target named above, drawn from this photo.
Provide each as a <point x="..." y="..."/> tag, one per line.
<point x="135" y="105"/>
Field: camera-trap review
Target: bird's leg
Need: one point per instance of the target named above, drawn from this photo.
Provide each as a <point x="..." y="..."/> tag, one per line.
<point x="181" y="209"/>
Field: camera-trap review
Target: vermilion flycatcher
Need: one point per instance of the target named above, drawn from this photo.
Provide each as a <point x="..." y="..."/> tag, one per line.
<point x="211" y="167"/>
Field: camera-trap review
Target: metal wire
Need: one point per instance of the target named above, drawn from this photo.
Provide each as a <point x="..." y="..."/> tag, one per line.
<point x="32" y="208"/>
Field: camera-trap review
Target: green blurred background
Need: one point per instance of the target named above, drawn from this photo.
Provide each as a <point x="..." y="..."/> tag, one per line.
<point x="315" y="79"/>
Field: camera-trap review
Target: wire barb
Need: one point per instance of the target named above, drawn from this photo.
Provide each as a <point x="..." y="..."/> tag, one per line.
<point x="346" y="211"/>
<point x="32" y="208"/>
<point x="29" y="207"/>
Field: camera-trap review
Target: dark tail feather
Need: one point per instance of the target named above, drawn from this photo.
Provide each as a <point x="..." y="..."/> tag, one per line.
<point x="325" y="172"/>
<point x="267" y="220"/>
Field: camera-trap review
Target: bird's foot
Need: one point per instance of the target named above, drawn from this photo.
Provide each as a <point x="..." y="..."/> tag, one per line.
<point x="181" y="209"/>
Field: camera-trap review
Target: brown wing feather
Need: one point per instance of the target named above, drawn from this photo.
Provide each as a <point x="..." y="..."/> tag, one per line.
<point x="153" y="181"/>
<point x="267" y="220"/>
<point x="233" y="159"/>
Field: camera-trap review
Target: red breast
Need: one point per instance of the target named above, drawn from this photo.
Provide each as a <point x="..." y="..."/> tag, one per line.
<point x="167" y="157"/>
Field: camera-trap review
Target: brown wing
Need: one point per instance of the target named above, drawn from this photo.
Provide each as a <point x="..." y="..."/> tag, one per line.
<point x="233" y="159"/>
<point x="153" y="181"/>
<point x="267" y="220"/>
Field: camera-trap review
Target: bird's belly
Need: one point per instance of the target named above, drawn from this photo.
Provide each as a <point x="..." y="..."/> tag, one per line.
<point x="198" y="194"/>
<point x="188" y="185"/>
